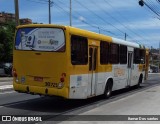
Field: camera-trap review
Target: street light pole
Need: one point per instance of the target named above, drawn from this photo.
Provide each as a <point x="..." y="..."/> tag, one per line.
<point x="49" y="6"/>
<point x="16" y="12"/>
<point x="159" y="57"/>
<point x="125" y="37"/>
<point x="70" y="12"/>
<point x="99" y="30"/>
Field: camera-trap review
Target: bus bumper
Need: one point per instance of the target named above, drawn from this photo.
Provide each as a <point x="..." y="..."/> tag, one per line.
<point x="37" y="90"/>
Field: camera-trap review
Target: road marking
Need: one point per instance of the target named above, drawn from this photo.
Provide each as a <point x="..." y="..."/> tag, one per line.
<point x="6" y="82"/>
<point x="7" y="92"/>
<point x="1" y="106"/>
<point x="6" y="86"/>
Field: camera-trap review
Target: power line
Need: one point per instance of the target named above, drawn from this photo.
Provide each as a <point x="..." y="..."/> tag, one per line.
<point x="152" y="9"/>
<point x="85" y="22"/>
<point x="117" y="21"/>
<point x="153" y="6"/>
<point x="88" y="22"/>
<point x="39" y="1"/>
<point x="49" y="2"/>
<point x="94" y="26"/>
<point x="123" y="17"/>
<point x="98" y="27"/>
<point x="100" y="17"/>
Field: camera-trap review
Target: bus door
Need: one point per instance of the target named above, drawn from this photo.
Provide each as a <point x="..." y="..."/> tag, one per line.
<point x="92" y="70"/>
<point x="130" y="68"/>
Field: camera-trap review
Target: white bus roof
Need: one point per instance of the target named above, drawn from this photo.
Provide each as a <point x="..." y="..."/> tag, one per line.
<point x="123" y="42"/>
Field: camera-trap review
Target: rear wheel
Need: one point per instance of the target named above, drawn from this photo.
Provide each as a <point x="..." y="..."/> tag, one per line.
<point x="108" y="89"/>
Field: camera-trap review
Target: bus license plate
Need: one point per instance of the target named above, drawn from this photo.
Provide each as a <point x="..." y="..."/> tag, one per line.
<point x="39" y="79"/>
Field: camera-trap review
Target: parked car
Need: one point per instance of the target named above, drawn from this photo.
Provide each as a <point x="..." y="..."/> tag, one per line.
<point x="155" y="70"/>
<point x="150" y="71"/>
<point x="8" y="68"/>
<point x="2" y="72"/>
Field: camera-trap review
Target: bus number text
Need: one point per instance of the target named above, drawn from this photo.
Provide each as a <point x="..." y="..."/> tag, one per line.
<point x="49" y="84"/>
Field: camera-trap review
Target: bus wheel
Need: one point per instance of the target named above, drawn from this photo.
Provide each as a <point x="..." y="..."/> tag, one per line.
<point x="140" y="81"/>
<point x="108" y="89"/>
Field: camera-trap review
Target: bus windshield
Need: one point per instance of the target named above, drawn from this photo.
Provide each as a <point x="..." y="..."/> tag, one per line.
<point x="40" y="39"/>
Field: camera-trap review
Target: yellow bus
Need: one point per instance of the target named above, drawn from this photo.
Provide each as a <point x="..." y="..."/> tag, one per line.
<point x="72" y="63"/>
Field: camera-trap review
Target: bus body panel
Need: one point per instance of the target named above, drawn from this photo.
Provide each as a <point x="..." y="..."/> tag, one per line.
<point x="54" y="73"/>
<point x="37" y="71"/>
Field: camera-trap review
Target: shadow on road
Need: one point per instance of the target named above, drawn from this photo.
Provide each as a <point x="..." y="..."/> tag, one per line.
<point x="51" y="105"/>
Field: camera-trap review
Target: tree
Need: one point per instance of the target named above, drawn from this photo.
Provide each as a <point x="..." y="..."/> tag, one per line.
<point x="6" y="42"/>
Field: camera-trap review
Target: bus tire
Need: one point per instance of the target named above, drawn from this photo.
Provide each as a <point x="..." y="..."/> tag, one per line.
<point x="108" y="89"/>
<point x="140" y="80"/>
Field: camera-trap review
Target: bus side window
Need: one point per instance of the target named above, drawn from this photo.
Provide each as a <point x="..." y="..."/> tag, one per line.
<point x="79" y="50"/>
<point x="114" y="53"/>
<point x="73" y="56"/>
<point x="123" y="54"/>
<point x="139" y="56"/>
<point x="142" y="56"/>
<point x="104" y="52"/>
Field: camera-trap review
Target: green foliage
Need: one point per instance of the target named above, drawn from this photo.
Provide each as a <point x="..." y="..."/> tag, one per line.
<point x="6" y="42"/>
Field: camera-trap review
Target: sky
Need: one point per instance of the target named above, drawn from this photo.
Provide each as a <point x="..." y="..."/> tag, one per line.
<point x="109" y="17"/>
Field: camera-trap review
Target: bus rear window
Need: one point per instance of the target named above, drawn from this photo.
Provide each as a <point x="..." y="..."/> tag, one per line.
<point x="40" y="39"/>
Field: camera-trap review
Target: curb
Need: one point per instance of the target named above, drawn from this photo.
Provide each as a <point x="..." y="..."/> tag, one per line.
<point x="6" y="88"/>
<point x="154" y="73"/>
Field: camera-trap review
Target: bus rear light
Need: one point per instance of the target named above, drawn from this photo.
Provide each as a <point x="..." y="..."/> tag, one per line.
<point x="62" y="79"/>
<point x="63" y="75"/>
<point x="14" y="74"/>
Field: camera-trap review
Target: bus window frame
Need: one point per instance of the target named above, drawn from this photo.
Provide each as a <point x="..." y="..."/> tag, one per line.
<point x="63" y="29"/>
<point x="111" y="61"/>
<point x="137" y="59"/>
<point x="108" y="53"/>
<point x="122" y="55"/>
<point x="74" y="62"/>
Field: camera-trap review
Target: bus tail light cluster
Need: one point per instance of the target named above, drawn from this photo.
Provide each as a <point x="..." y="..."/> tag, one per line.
<point x="14" y="73"/>
<point x="62" y="80"/>
<point x="63" y="75"/>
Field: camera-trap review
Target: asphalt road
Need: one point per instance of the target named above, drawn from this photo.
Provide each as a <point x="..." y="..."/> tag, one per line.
<point x="13" y="103"/>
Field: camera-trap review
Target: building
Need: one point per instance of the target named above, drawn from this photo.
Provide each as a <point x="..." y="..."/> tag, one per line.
<point x="6" y="17"/>
<point x="9" y="17"/>
<point x="25" y="21"/>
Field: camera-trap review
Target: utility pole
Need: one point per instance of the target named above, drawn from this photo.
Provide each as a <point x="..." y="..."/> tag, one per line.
<point x="159" y="48"/>
<point x="49" y="6"/>
<point x="16" y="12"/>
<point x="70" y="12"/>
<point x="125" y="37"/>
<point x="159" y="58"/>
<point x="152" y="55"/>
<point x="99" y="30"/>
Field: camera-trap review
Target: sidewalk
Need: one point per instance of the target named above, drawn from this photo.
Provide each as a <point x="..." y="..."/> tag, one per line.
<point x="141" y="105"/>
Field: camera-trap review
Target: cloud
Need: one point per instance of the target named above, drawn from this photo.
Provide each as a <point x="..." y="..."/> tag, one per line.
<point x="81" y="18"/>
<point x="116" y="16"/>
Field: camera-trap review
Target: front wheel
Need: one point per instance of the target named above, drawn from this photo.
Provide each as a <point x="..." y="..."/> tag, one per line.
<point x="108" y="89"/>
